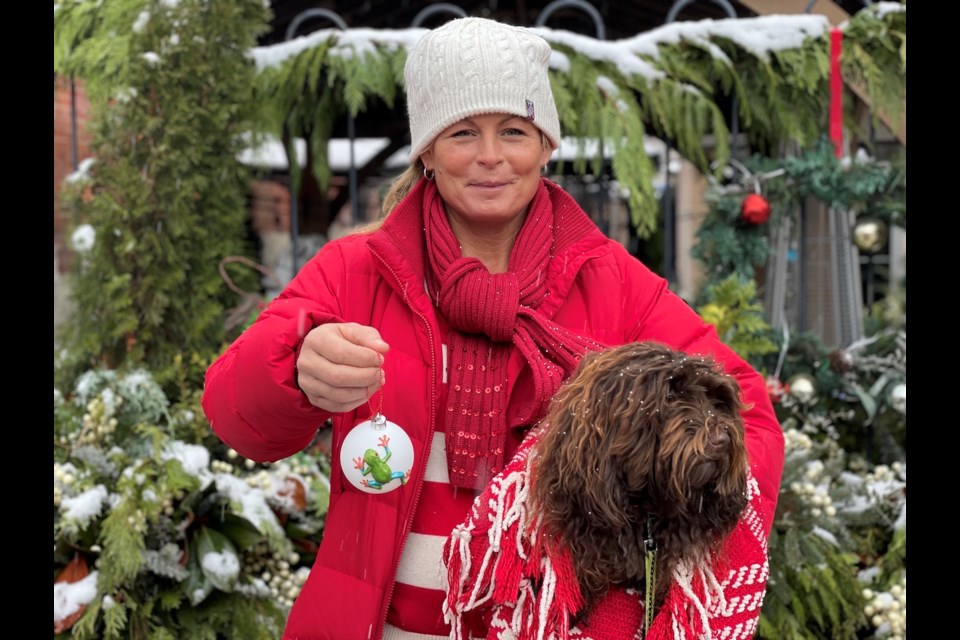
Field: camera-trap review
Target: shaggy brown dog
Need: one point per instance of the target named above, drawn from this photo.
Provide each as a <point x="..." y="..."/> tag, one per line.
<point x="641" y="436"/>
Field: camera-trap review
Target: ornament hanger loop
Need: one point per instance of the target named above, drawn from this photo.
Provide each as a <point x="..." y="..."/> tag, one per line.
<point x="377" y="418"/>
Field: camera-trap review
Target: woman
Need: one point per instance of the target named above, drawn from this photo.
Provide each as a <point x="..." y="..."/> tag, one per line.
<point x="456" y="320"/>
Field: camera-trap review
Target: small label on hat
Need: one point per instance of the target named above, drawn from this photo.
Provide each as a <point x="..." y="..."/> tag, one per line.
<point x="531" y="116"/>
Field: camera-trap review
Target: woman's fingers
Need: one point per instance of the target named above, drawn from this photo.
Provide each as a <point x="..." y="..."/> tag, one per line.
<point x="340" y="365"/>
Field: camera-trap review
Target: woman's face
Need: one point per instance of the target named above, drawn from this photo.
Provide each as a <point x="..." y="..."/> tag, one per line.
<point x="487" y="168"/>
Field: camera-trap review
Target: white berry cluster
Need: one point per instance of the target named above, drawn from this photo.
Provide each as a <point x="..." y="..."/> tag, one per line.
<point x="99" y="423"/>
<point x="886" y="485"/>
<point x="816" y="496"/>
<point x="64" y="479"/>
<point x="168" y="499"/>
<point x="138" y="521"/>
<point x="233" y="456"/>
<point x="895" y="472"/>
<point x="278" y="572"/>
<point x="303" y="469"/>
<point x="887" y="610"/>
<point x="259" y="480"/>
<point x="797" y="441"/>
<point x="220" y="466"/>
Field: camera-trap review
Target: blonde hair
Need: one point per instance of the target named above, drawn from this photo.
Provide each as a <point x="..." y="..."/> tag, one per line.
<point x="398" y="190"/>
<point x="401" y="186"/>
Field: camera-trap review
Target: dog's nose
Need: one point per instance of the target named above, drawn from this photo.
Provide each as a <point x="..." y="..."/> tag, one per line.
<point x="718" y="441"/>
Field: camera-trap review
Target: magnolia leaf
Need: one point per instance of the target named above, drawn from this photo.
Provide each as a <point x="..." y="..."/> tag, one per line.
<point x="192" y="502"/>
<point x="868" y="401"/>
<point x="218" y="558"/>
<point x="240" y="530"/>
<point x="197" y="586"/>
<point x="75" y="571"/>
<point x="303" y="528"/>
<point x="878" y="386"/>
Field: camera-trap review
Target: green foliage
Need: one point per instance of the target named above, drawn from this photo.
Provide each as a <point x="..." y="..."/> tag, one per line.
<point x="166" y="196"/>
<point x="306" y="92"/>
<point x="737" y="316"/>
<point x="838" y="553"/>
<point x="92" y="40"/>
<point x="668" y="82"/>
<point x="814" y="596"/>
<point x="680" y="105"/>
<point x="608" y="114"/>
<point x="854" y="402"/>
<point x="181" y="544"/>
<point x="838" y="536"/>
<point x="728" y="244"/>
<point x="874" y="44"/>
<point x="838" y="546"/>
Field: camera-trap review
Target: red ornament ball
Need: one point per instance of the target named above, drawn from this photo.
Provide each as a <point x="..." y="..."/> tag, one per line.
<point x="776" y="389"/>
<point x="755" y="209"/>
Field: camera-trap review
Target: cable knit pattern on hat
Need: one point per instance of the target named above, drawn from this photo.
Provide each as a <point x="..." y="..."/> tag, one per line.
<point x="471" y="66"/>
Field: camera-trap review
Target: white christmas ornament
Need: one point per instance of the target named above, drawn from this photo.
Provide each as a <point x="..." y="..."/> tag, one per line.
<point x="803" y="387"/>
<point x="377" y="456"/>
<point x="898" y="397"/>
<point x="83" y="238"/>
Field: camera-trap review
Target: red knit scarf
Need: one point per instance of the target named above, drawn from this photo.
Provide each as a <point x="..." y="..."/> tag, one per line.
<point x="489" y="315"/>
<point x="501" y="575"/>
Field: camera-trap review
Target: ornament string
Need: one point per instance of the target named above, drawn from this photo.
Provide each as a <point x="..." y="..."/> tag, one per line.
<point x="377" y="418"/>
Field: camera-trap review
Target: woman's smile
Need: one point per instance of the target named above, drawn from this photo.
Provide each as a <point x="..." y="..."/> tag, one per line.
<point x="487" y="169"/>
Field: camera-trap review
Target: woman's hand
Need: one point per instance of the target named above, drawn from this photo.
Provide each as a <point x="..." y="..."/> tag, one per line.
<point x="340" y="365"/>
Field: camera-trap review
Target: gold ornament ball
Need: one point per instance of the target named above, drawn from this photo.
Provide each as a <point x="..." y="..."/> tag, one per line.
<point x="803" y="387"/>
<point x="870" y="234"/>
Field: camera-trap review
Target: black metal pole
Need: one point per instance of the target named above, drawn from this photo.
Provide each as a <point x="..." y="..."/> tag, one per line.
<point x="588" y="8"/>
<point x="294" y="192"/>
<point x="433" y="9"/>
<point x="74" y="151"/>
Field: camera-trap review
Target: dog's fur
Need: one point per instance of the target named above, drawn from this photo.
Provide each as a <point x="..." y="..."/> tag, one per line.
<point x="640" y="432"/>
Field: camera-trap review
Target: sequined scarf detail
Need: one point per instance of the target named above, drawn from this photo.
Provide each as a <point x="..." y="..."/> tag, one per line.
<point x="490" y="314"/>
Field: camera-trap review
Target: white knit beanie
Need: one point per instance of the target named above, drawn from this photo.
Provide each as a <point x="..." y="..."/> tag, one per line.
<point x="471" y="66"/>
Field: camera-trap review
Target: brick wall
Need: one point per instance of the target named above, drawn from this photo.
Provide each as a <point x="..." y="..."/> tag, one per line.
<point x="63" y="156"/>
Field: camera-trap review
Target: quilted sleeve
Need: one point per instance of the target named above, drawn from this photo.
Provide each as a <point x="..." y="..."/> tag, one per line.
<point x="250" y="396"/>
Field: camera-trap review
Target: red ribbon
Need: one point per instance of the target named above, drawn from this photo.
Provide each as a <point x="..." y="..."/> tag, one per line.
<point x="836" y="91"/>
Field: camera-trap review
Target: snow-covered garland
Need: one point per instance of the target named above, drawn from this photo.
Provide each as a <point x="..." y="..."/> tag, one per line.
<point x="160" y="518"/>
<point x="663" y="82"/>
<point x="735" y="235"/>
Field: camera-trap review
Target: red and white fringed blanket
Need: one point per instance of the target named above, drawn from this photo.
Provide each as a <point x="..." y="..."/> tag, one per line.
<point x="503" y="583"/>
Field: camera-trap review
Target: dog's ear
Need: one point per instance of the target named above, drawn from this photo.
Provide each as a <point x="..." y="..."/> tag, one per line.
<point x="632" y="458"/>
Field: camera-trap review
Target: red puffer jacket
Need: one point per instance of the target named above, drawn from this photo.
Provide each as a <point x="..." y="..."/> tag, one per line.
<point x="253" y="403"/>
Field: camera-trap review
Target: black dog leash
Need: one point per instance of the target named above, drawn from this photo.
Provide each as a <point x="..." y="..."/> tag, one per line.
<point x="650" y="552"/>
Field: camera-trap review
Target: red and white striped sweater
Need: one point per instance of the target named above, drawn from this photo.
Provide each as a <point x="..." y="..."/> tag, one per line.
<point x="416" y="608"/>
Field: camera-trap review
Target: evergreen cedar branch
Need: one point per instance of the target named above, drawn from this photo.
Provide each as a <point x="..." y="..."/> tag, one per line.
<point x="782" y="95"/>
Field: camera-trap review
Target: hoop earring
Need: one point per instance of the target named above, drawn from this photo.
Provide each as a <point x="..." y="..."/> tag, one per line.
<point x="428" y="174"/>
<point x="543" y="170"/>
